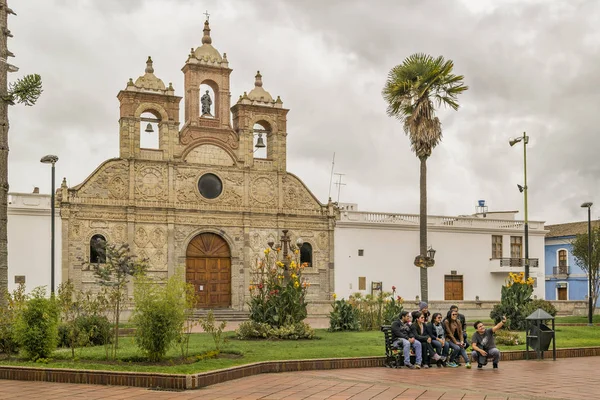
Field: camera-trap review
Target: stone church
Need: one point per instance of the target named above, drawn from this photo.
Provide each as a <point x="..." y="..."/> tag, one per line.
<point x="202" y="198"/>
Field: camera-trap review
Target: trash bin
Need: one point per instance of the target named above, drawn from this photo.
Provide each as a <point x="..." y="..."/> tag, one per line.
<point x="539" y="335"/>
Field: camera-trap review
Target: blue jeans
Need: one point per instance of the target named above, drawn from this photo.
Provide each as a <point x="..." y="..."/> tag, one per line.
<point x="437" y="345"/>
<point x="457" y="351"/>
<point x="416" y="345"/>
<point x="493" y="352"/>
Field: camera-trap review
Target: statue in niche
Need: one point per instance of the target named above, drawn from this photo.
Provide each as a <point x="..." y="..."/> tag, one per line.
<point x="206" y="102"/>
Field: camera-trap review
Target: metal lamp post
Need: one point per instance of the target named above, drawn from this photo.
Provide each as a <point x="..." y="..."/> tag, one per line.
<point x="588" y="205"/>
<point x="51" y="159"/>
<point x="512" y="142"/>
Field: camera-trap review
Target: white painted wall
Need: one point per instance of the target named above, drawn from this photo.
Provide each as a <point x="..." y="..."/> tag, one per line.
<point x="463" y="244"/>
<point x="29" y="240"/>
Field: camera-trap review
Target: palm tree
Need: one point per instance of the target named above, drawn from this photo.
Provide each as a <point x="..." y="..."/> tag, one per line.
<point x="413" y="90"/>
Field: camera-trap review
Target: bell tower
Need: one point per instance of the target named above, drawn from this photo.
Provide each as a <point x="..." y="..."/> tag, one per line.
<point x="206" y="67"/>
<point x="148" y="95"/>
<point x="260" y="121"/>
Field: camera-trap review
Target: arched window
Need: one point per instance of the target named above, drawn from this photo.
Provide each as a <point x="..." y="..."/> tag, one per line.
<point x="306" y="254"/>
<point x="261" y="132"/>
<point x="208" y="101"/>
<point x="562" y="258"/>
<point x="98" y="249"/>
<point x="149" y="138"/>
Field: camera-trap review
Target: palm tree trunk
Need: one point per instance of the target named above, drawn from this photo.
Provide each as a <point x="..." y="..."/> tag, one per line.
<point x="423" y="227"/>
<point x="3" y="157"/>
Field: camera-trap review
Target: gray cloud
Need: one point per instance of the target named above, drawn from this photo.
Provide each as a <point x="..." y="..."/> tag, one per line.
<point x="530" y="65"/>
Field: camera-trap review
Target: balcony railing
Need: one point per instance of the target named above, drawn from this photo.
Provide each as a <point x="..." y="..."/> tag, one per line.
<point x="518" y="262"/>
<point x="560" y="270"/>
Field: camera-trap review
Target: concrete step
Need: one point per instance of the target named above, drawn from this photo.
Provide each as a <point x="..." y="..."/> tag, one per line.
<point x="225" y="314"/>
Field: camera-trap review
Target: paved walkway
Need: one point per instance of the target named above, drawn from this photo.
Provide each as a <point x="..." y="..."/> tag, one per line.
<point x="571" y="378"/>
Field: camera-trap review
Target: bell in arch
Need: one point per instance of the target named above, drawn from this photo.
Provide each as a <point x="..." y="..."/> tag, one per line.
<point x="260" y="144"/>
<point x="149" y="128"/>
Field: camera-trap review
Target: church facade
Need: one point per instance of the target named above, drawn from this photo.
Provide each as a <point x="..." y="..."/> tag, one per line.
<point x="201" y="199"/>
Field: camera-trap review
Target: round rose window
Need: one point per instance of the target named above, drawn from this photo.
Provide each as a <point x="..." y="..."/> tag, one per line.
<point x="210" y="186"/>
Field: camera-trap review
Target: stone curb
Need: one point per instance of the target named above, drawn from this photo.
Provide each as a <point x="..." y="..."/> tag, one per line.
<point x="199" y="380"/>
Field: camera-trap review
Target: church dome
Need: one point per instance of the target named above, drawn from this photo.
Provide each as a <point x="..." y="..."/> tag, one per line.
<point x="207" y="51"/>
<point x="259" y="93"/>
<point x="149" y="80"/>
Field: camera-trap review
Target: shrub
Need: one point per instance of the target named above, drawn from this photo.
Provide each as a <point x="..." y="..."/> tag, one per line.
<point x="539" y="303"/>
<point x="278" y="290"/>
<point x="37" y="326"/>
<point x="392" y="308"/>
<point x="515" y="295"/>
<point x="374" y="311"/>
<point x="95" y="329"/>
<point x="258" y="330"/>
<point x="343" y="317"/>
<point x="507" y="338"/>
<point x="208" y="325"/>
<point x="159" y="314"/>
<point x="9" y="313"/>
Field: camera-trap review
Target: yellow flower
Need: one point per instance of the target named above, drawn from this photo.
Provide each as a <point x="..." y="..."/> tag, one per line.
<point x="294" y="276"/>
<point x="251" y="288"/>
<point x="280" y="277"/>
<point x="296" y="251"/>
<point x="296" y="284"/>
<point x="334" y="296"/>
<point x="293" y="265"/>
<point x="280" y="264"/>
<point x="267" y="251"/>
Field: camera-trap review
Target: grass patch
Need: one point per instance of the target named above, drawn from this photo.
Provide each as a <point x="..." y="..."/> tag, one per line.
<point x="329" y="345"/>
<point x="577" y="319"/>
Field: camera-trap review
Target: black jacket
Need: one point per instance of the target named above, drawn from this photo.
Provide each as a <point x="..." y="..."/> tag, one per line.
<point x="401" y="330"/>
<point x="430" y="329"/>
<point x="417" y="332"/>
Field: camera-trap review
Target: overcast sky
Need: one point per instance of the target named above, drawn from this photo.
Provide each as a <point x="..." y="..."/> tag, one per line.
<point x="530" y="65"/>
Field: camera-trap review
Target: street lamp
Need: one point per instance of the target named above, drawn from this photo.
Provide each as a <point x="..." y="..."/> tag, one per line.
<point x="50" y="159"/>
<point x="588" y="205"/>
<point x="512" y="142"/>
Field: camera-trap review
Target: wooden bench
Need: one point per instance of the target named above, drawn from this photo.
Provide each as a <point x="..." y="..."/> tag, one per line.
<point x="394" y="357"/>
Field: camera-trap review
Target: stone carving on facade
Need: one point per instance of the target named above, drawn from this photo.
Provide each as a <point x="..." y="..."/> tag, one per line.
<point x="98" y="186"/>
<point x="263" y="191"/>
<point x="323" y="240"/>
<point x="150" y="183"/>
<point x="117" y="188"/>
<point x="209" y="154"/>
<point x="230" y="138"/>
<point x="296" y="196"/>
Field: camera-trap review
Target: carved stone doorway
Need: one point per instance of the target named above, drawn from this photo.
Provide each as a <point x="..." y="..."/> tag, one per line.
<point x="208" y="268"/>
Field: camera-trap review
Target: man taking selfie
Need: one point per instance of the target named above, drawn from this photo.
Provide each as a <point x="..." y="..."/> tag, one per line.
<point x="484" y="344"/>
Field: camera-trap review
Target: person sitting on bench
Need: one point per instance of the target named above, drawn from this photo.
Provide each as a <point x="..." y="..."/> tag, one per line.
<point x="484" y="344"/>
<point x="435" y="330"/>
<point x="401" y="333"/>
<point x="454" y="336"/>
<point x="419" y="333"/>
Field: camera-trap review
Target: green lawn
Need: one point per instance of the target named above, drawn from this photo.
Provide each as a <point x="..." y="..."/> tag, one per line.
<point x="343" y="344"/>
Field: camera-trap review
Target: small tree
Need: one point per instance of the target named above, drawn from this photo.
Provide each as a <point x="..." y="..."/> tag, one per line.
<point x="9" y="313"/>
<point x="159" y="314"/>
<point x="37" y="326"/>
<point x="114" y="276"/>
<point x="580" y="252"/>
<point x="70" y="310"/>
<point x="191" y="298"/>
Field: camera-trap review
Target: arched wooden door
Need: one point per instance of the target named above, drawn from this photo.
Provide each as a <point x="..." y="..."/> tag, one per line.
<point x="208" y="268"/>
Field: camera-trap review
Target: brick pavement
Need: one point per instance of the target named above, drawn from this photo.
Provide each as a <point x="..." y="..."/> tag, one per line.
<point x="561" y="379"/>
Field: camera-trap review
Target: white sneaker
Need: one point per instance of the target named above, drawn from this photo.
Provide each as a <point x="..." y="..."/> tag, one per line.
<point x="436" y="357"/>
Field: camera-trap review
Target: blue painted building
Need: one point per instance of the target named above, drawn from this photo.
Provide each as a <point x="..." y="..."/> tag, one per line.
<point x="564" y="279"/>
